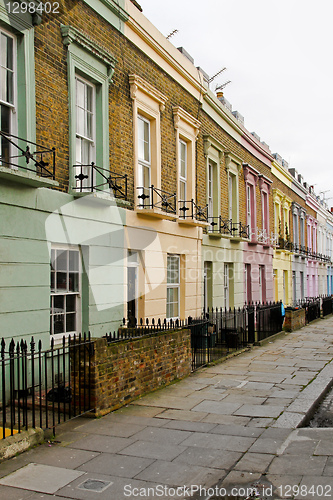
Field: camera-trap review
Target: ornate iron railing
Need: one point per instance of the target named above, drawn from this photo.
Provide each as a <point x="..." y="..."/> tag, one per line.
<point x="36" y="158"/>
<point x="190" y="210"/>
<point x="91" y="178"/>
<point x="227" y="227"/>
<point x="153" y="197"/>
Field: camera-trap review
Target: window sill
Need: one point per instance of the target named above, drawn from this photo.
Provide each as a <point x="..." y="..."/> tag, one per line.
<point x="192" y="222"/>
<point x="101" y="198"/>
<point x="26" y="178"/>
<point x="155" y="213"/>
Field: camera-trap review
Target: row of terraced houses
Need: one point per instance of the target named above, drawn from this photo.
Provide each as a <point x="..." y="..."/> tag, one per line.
<point x="130" y="189"/>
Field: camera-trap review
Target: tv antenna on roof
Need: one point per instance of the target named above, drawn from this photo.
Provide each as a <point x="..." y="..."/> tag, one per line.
<point x="174" y="32"/>
<point x="217" y="74"/>
<point x="221" y="87"/>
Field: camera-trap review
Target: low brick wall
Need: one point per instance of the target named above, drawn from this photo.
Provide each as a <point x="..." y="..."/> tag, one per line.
<point x="295" y="319"/>
<point x="123" y="371"/>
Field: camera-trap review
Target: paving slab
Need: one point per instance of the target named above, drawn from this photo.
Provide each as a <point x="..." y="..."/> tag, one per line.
<point x="313" y="486"/>
<point x="147" y="449"/>
<point x="107" y="428"/>
<point x="162" y="435"/>
<point x="254" y="462"/>
<point x="104" y="444"/>
<point x="171" y="473"/>
<point x="237" y="430"/>
<point x="118" y="465"/>
<point x="60" y="456"/>
<point x="259" y="411"/>
<point x="41" y="478"/>
<point x="266" y="445"/>
<point x="184" y="425"/>
<point x="218" y="407"/>
<point x="9" y="493"/>
<point x="208" y="458"/>
<point x="297" y="465"/>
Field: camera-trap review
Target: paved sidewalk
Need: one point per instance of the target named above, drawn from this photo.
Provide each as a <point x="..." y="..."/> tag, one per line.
<point x="232" y="425"/>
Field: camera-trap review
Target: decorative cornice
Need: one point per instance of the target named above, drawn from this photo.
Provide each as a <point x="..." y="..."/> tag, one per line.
<point x="116" y="9"/>
<point x="264" y="181"/>
<point x="248" y="170"/>
<point x="211" y="142"/>
<point x="231" y="157"/>
<point x="138" y="83"/>
<point x="179" y="114"/>
<point x="72" y="35"/>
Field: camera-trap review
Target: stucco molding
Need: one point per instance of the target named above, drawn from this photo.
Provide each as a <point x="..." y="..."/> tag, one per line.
<point x="72" y="35"/>
<point x="250" y="171"/>
<point x="231" y="158"/>
<point x="179" y="115"/>
<point x="211" y="142"/>
<point x="137" y="83"/>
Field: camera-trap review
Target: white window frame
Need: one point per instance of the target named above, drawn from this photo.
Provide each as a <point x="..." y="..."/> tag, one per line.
<point x="182" y="179"/>
<point x="231" y="181"/>
<point x="90" y="141"/>
<point x="143" y="163"/>
<point x="260" y="284"/>
<point x="210" y="189"/>
<point x="173" y="286"/>
<point x="249" y="189"/>
<point x="56" y="293"/>
<point x="226" y="286"/>
<point x="11" y="106"/>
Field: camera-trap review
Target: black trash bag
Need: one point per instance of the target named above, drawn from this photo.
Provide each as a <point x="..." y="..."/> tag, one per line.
<point x="60" y="394"/>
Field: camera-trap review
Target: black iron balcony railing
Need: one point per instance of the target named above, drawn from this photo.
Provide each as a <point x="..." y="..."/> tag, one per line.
<point x="22" y="154"/>
<point x="227" y="227"/>
<point x="91" y="178"/>
<point x="152" y="197"/>
<point x="308" y="252"/>
<point x="190" y="210"/>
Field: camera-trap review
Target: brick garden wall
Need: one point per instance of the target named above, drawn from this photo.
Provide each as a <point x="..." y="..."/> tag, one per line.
<point x="294" y="319"/>
<point x="126" y="370"/>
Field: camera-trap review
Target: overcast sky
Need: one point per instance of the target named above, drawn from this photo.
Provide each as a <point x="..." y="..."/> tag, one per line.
<point x="278" y="55"/>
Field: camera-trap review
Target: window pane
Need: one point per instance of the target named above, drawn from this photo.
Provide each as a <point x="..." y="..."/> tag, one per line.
<point x="61" y="282"/>
<point x="61" y="262"/>
<point x="146" y="177"/>
<point x="10" y="80"/>
<point x="70" y="303"/>
<point x="146" y="142"/>
<point x="80" y="121"/>
<point x="70" y="322"/>
<point x="52" y="281"/>
<point x="80" y="93"/>
<point x="143" y="140"/>
<point x="4" y="50"/>
<point x="173" y="269"/>
<point x="89" y="131"/>
<point x="89" y="98"/>
<point x="73" y="282"/>
<point x="182" y="159"/>
<point x="58" y="304"/>
<point x="9" y="61"/>
<point x="182" y="191"/>
<point x="59" y="323"/>
<point x="3" y="84"/>
<point x="73" y="260"/>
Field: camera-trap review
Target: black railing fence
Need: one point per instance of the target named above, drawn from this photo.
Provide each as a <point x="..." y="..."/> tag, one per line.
<point x="152" y="197"/>
<point x="42" y="388"/>
<point x="315" y="307"/>
<point x="242" y="326"/>
<point x="327" y="305"/>
<point x="18" y="153"/>
<point x="92" y="178"/>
